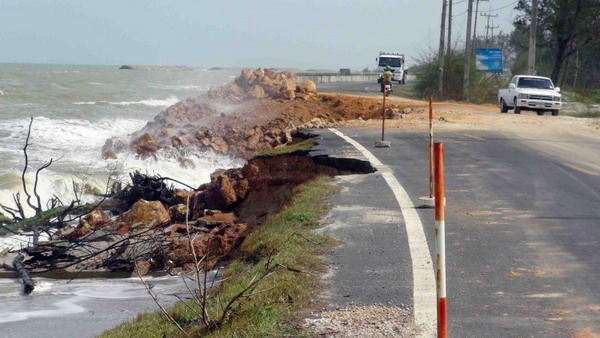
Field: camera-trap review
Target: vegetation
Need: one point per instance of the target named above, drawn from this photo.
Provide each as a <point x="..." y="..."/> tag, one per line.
<point x="484" y="86"/>
<point x="285" y="238"/>
<point x="568" y="44"/>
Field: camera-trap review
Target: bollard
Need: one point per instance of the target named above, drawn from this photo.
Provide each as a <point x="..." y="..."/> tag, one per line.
<point x="430" y="148"/>
<point x="429" y="201"/>
<point x="440" y="240"/>
<point x="383" y="143"/>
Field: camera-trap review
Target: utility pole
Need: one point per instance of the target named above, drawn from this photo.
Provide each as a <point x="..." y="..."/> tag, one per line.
<point x="487" y="26"/>
<point x="449" y="26"/>
<point x="468" y="51"/>
<point x="492" y="27"/>
<point x="532" y="39"/>
<point x="441" y="52"/>
<point x="475" y="24"/>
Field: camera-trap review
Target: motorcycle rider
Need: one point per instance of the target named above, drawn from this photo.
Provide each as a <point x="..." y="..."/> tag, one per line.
<point x="387" y="78"/>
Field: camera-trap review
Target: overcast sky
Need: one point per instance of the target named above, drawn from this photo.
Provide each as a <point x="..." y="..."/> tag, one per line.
<point x="268" y="33"/>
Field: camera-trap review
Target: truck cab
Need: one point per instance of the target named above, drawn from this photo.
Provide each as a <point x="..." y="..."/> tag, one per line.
<point x="527" y="92"/>
<point x="396" y="62"/>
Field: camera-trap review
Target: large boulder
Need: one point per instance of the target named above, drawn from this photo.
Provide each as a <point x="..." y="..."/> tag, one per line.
<point x="307" y="87"/>
<point x="220" y="194"/>
<point x="257" y="92"/>
<point x="143" y="213"/>
<point x="144" y="145"/>
<point x="95" y="219"/>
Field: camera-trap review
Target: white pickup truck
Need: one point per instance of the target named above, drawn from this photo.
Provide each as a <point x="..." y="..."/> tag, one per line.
<point x="526" y="92"/>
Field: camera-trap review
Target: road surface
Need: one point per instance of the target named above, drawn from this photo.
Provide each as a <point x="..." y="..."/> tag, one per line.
<point x="523" y="230"/>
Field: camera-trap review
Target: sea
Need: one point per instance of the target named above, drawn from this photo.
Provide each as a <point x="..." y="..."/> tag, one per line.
<point x="75" y="109"/>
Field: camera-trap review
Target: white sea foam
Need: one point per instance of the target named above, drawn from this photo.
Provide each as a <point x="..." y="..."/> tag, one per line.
<point x="171" y="100"/>
<point x="78" y="144"/>
<point x="85" y="103"/>
<point x="2" y="92"/>
<point x="63" y="307"/>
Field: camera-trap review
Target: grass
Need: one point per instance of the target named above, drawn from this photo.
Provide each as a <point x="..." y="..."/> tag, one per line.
<point x="288" y="149"/>
<point x="270" y="313"/>
<point x="589" y="97"/>
<point x="407" y="91"/>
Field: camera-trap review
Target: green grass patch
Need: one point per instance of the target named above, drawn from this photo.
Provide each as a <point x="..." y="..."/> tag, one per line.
<point x="587" y="97"/>
<point x="407" y="91"/>
<point x="289" y="235"/>
<point x="287" y="149"/>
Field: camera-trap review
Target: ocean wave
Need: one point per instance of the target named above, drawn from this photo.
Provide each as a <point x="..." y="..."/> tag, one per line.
<point x="171" y="100"/>
<point x="181" y="87"/>
<point x="2" y="92"/>
<point x="85" y="103"/>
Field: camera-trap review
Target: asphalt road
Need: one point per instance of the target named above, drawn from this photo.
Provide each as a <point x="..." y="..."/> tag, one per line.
<point x="523" y="231"/>
<point x="352" y="88"/>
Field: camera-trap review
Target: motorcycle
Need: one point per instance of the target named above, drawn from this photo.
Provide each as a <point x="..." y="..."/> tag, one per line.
<point x="386" y="88"/>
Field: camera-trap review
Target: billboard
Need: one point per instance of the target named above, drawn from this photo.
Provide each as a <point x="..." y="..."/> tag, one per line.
<point x="489" y="60"/>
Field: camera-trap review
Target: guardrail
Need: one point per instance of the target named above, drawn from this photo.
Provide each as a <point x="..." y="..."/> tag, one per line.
<point x="336" y="77"/>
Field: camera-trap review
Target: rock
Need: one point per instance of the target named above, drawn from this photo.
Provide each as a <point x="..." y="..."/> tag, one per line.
<point x="109" y="155"/>
<point x="116" y="144"/>
<point x="182" y="195"/>
<point x="145" y="145"/>
<point x="197" y="204"/>
<point x="96" y="218"/>
<point x="407" y="110"/>
<point x="214" y="220"/>
<point x="307" y="87"/>
<point x="216" y="244"/>
<point x="142" y="267"/>
<point x="220" y="194"/>
<point x="144" y="212"/>
<point x="288" y="89"/>
<point x="178" y="212"/>
<point x="234" y="89"/>
<point x="257" y="92"/>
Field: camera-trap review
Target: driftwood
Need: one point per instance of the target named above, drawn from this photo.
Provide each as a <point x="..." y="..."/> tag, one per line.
<point x="145" y="187"/>
<point x="28" y="283"/>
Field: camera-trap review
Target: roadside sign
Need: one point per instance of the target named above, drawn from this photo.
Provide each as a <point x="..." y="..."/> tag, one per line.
<point x="489" y="60"/>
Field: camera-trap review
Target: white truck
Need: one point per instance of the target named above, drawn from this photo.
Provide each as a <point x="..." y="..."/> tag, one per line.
<point x="396" y="62"/>
<point x="527" y="92"/>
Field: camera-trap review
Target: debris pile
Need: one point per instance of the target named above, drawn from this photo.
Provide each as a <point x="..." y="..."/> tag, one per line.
<point x="227" y="120"/>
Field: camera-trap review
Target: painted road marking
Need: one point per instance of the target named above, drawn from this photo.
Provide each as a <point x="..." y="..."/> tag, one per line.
<point x="424" y="289"/>
<point x="583" y="170"/>
<point x="474" y="137"/>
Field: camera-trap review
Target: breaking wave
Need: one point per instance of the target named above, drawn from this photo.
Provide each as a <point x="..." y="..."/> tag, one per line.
<point x="171" y="100"/>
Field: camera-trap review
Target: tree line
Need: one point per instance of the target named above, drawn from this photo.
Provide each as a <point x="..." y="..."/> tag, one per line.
<point x="568" y="45"/>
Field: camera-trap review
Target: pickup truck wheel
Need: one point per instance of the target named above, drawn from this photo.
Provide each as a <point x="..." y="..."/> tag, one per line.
<point x="517" y="108"/>
<point x="540" y="112"/>
<point x="503" y="106"/>
<point x="555" y="113"/>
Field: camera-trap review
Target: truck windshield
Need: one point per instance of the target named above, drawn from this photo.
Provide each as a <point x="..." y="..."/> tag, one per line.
<point x="531" y="82"/>
<point x="388" y="61"/>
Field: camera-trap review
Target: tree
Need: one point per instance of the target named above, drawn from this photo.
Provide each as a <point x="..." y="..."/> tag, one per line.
<point x="564" y="26"/>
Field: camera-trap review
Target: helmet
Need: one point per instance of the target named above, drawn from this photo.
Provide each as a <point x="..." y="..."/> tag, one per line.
<point x="387" y="69"/>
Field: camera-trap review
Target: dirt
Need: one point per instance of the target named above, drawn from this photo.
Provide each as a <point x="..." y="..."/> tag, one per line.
<point x="363" y="321"/>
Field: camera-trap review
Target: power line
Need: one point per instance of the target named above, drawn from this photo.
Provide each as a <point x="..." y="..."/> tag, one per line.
<point x="497" y="9"/>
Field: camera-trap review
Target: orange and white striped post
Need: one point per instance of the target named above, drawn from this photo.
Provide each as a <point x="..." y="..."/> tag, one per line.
<point x="430" y="148"/>
<point x="440" y="240"/>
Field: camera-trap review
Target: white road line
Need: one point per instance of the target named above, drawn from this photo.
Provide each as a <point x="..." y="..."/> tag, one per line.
<point x="424" y="289"/>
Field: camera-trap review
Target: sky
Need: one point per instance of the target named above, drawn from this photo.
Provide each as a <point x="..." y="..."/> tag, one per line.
<point x="304" y="34"/>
